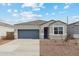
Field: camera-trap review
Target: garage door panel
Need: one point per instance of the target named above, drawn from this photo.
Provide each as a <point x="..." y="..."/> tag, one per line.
<point x="28" y="34"/>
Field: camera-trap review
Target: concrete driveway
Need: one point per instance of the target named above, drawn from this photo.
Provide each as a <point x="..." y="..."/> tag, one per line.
<point x="27" y="47"/>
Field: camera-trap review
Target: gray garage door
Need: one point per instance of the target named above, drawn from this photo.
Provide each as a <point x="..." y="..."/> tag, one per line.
<point x="28" y="34"/>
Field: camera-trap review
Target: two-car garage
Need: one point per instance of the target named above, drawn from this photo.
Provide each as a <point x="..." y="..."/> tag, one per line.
<point x="28" y="33"/>
<point x="28" y="30"/>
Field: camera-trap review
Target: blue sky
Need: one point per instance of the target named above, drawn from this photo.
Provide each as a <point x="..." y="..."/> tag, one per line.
<point x="22" y="12"/>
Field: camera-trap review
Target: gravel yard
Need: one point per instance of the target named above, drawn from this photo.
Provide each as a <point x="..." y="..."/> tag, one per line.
<point x="59" y="48"/>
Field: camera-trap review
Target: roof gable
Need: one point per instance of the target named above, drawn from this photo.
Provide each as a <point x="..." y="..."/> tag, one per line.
<point x="57" y="21"/>
<point x="48" y="22"/>
<point x="75" y="23"/>
<point x="5" y="24"/>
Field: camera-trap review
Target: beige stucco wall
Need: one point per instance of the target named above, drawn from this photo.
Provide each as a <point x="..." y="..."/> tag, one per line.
<point x="41" y="30"/>
<point x="41" y="33"/>
<point x="51" y="30"/>
<point x="4" y="30"/>
<point x="57" y="36"/>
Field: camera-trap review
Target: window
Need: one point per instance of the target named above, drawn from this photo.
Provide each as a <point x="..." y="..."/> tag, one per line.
<point x="58" y="30"/>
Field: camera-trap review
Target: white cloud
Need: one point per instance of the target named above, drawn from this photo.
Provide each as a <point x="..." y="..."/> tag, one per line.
<point x="62" y="12"/>
<point x="14" y="14"/>
<point x="41" y="5"/>
<point x="68" y="3"/>
<point x="66" y="7"/>
<point x="34" y="6"/>
<point x="53" y="13"/>
<point x="6" y="4"/>
<point x="47" y="13"/>
<point x="73" y="18"/>
<point x="27" y="14"/>
<point x="9" y="10"/>
<point x="15" y="10"/>
<point x="55" y="7"/>
<point x="30" y="15"/>
<point x="12" y="11"/>
<point x="36" y="9"/>
<point x="28" y="4"/>
<point x="9" y="4"/>
<point x="40" y="15"/>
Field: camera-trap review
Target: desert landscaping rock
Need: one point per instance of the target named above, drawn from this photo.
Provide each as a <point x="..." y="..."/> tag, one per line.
<point x="52" y="48"/>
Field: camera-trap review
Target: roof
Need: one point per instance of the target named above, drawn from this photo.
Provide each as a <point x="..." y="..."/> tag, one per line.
<point x="39" y="22"/>
<point x="58" y="21"/>
<point x="75" y="23"/>
<point x="5" y="24"/>
<point x="36" y="22"/>
<point x="48" y="22"/>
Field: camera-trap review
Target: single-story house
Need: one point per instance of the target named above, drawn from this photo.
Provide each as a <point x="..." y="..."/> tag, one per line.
<point x="4" y="28"/>
<point x="73" y="29"/>
<point x="40" y="29"/>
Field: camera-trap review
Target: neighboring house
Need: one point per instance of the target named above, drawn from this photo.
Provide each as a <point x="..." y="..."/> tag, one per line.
<point x="4" y="28"/>
<point x="40" y="29"/>
<point x="73" y="29"/>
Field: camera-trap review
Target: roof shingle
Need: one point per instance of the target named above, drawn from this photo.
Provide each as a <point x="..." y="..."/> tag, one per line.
<point x="36" y="22"/>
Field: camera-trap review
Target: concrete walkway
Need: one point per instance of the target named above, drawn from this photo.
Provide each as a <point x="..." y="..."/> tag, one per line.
<point x="27" y="47"/>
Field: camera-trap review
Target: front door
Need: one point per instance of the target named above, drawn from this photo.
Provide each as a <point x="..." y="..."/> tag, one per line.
<point x="45" y="32"/>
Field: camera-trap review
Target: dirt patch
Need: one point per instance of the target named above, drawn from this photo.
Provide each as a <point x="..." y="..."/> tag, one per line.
<point x="4" y="41"/>
<point x="59" y="48"/>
